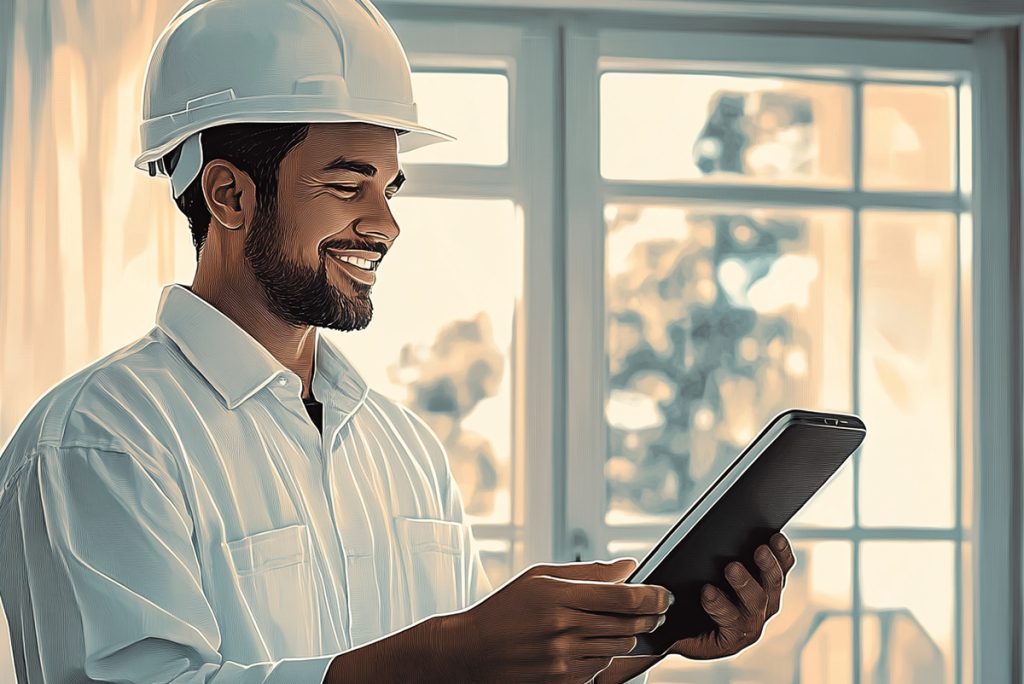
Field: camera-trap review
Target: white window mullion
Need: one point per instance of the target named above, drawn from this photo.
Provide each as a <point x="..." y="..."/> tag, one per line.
<point x="535" y="137"/>
<point x="586" y="447"/>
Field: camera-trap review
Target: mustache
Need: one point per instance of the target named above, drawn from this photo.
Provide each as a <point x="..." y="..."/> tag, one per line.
<point x="378" y="247"/>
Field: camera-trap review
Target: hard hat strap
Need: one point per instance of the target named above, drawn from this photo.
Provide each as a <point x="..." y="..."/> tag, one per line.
<point x="190" y="162"/>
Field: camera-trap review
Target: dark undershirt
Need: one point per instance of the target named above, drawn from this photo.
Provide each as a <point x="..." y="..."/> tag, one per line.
<point x="316" y="412"/>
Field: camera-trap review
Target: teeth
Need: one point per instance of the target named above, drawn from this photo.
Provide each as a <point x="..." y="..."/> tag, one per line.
<point x="364" y="264"/>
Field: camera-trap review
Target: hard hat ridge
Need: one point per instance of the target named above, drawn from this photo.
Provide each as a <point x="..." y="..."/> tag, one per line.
<point x="273" y="61"/>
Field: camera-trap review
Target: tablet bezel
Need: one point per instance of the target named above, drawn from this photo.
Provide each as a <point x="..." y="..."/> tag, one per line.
<point x="725" y="481"/>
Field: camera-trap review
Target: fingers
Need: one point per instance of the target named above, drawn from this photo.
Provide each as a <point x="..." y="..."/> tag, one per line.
<point x="605" y="647"/>
<point x="771" y="578"/>
<point x="600" y="571"/>
<point x="593" y="625"/>
<point x="751" y="594"/>
<point x="783" y="552"/>
<point x="723" y="611"/>
<point x="602" y="597"/>
<point x="740" y="626"/>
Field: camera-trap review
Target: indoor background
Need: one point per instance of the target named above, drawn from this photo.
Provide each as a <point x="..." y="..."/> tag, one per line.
<point x="663" y="222"/>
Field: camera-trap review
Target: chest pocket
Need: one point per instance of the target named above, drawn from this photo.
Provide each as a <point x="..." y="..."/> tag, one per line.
<point x="432" y="554"/>
<point x="275" y="578"/>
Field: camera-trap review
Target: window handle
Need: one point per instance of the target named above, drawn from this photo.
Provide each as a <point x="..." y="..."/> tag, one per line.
<point x="580" y="543"/>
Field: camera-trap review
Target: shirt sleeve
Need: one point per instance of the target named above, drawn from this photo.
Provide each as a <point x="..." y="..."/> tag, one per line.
<point x="101" y="577"/>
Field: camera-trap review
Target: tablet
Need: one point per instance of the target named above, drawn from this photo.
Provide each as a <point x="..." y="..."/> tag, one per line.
<point x="775" y="476"/>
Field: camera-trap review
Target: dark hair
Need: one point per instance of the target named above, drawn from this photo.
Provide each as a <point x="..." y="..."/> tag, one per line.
<point x="256" y="149"/>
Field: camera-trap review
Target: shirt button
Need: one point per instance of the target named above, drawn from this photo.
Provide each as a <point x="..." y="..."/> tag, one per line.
<point x="282" y="381"/>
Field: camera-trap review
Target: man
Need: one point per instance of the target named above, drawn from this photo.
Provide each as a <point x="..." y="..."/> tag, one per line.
<point x="225" y="500"/>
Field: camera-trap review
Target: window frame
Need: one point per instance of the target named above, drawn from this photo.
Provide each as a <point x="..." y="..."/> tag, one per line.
<point x="986" y="63"/>
<point x="527" y="178"/>
<point x="560" y="260"/>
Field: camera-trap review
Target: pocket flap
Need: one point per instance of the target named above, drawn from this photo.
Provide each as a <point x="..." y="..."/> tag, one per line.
<point x="424" y="534"/>
<point x="267" y="550"/>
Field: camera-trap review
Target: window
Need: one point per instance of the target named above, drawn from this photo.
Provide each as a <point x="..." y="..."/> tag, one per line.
<point x="635" y="257"/>
<point x="462" y="304"/>
<point x="780" y="234"/>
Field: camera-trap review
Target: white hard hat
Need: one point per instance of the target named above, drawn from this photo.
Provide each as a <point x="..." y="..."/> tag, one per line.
<point x="272" y="61"/>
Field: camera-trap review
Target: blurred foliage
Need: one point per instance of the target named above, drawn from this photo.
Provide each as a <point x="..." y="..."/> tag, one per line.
<point x="678" y="340"/>
<point x="446" y="381"/>
<point x="676" y="344"/>
<point x="766" y="133"/>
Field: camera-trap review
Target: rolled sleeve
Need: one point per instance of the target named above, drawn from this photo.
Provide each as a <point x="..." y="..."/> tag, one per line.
<point x="102" y="575"/>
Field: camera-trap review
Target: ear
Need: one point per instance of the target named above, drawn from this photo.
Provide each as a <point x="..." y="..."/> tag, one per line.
<point x="230" y="194"/>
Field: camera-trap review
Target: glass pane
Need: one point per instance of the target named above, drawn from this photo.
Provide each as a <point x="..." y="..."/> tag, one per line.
<point x="907" y="629"/>
<point x="810" y="640"/>
<point x="443" y="347"/>
<point x="908" y="137"/>
<point x="629" y="549"/>
<point x="471" y="107"/>
<point x="724" y="128"/>
<point x="908" y="368"/>
<point x="718" y="319"/>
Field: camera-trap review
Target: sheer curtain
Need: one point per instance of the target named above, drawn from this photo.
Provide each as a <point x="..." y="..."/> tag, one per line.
<point x="86" y="240"/>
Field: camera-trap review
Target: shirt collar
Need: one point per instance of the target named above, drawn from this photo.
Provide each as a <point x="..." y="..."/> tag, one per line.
<point x="237" y="366"/>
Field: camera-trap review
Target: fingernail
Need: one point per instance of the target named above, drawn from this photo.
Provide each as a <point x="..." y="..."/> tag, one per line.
<point x="733" y="570"/>
<point x="709" y="592"/>
<point x="778" y="543"/>
<point x="661" y="621"/>
<point x="671" y="598"/>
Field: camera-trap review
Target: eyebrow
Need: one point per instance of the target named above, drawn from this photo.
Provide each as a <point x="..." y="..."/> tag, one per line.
<point x="363" y="168"/>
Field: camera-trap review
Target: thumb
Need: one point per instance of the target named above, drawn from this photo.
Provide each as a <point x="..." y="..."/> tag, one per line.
<point x="597" y="571"/>
<point x="621" y="569"/>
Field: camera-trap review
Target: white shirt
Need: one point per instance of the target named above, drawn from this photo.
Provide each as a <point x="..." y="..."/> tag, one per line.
<point x="171" y="514"/>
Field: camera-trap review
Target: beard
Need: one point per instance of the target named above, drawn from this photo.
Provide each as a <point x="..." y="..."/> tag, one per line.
<point x="297" y="293"/>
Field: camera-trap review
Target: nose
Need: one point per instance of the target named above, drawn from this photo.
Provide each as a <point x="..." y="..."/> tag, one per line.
<point x="378" y="224"/>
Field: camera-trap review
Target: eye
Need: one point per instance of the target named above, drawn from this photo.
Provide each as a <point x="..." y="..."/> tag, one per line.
<point x="347" y="189"/>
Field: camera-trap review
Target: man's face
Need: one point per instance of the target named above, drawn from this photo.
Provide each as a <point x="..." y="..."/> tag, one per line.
<point x="316" y="256"/>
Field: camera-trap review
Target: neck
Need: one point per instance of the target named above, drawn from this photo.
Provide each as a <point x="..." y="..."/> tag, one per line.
<point x="241" y="298"/>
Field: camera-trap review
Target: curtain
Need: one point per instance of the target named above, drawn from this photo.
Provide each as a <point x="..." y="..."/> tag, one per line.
<point x="86" y="240"/>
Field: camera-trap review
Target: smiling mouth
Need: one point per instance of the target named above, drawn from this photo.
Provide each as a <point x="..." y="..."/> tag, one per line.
<point x="358" y="268"/>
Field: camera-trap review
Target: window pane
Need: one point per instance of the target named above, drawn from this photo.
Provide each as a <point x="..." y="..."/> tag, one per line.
<point x="441" y="336"/>
<point x="908" y="592"/>
<point x="471" y="107"/>
<point x="908" y="137"/>
<point x="908" y="368"/>
<point x="811" y="638"/>
<point x="718" y="319"/>
<point x="726" y="129"/>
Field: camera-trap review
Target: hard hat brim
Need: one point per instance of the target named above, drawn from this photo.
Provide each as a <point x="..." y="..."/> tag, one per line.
<point x="411" y="135"/>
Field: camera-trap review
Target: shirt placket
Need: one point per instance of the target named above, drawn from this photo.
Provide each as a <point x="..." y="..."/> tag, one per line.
<point x="319" y="509"/>
<point x="350" y="505"/>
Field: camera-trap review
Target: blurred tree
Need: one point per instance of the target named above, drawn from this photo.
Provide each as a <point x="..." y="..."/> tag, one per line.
<point x="682" y="333"/>
<point x="677" y="340"/>
<point x="446" y="381"/>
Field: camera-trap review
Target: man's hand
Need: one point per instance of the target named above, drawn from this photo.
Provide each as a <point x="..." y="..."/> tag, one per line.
<point x="740" y="626"/>
<point x="552" y="623"/>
